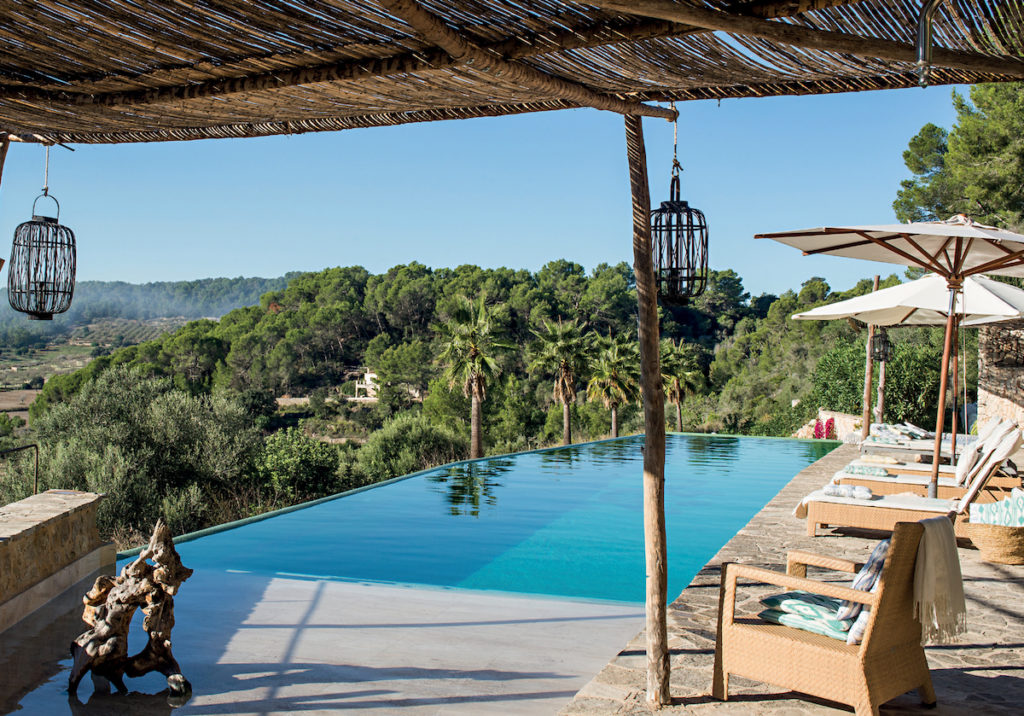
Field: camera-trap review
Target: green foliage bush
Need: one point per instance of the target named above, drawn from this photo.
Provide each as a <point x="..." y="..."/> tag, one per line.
<point x="911" y="384"/>
<point x="140" y="441"/>
<point x="407" y="443"/>
<point x="297" y="466"/>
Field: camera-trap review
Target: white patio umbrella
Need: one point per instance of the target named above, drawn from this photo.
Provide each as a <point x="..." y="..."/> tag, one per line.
<point x="954" y="249"/>
<point x="925" y="302"/>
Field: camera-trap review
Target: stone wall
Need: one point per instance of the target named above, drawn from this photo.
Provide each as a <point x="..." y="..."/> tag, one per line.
<point x="1001" y="371"/>
<point x="42" y="535"/>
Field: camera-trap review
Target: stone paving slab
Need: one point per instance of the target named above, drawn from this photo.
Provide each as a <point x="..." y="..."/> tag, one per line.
<point x="981" y="674"/>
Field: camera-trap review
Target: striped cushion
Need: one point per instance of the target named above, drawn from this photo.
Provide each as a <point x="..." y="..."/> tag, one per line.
<point x="860" y="625"/>
<point x="806" y="604"/>
<point x="865" y="580"/>
<point x="871" y="470"/>
<point x="799" y="621"/>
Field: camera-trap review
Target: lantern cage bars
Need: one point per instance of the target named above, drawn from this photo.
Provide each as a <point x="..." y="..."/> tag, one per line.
<point x="679" y="243"/>
<point x="881" y="347"/>
<point x="41" y="273"/>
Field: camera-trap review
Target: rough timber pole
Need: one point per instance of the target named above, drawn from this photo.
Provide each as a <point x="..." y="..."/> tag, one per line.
<point x="5" y="143"/>
<point x="880" y="395"/>
<point x="654" y="421"/>
<point x="865" y="415"/>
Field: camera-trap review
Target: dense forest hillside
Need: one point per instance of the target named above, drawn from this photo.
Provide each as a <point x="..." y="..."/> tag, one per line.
<point x="94" y="300"/>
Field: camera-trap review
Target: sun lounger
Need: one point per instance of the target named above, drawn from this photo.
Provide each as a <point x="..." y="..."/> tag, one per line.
<point x="997" y="488"/>
<point x="888" y="662"/>
<point x="882" y="512"/>
<point x="889" y="479"/>
<point x="912" y="444"/>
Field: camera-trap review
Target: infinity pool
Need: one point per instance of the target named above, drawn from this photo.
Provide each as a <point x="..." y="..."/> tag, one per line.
<point x="565" y="522"/>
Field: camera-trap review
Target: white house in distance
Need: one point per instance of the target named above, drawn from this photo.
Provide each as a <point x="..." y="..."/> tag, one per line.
<point x="368" y="385"/>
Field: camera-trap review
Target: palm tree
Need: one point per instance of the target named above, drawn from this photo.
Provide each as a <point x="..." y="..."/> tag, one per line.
<point x="561" y="351"/>
<point x="616" y="376"/>
<point x="680" y="375"/>
<point x="468" y="356"/>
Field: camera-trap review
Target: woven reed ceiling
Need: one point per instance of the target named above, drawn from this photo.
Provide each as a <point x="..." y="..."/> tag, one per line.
<point x="100" y="71"/>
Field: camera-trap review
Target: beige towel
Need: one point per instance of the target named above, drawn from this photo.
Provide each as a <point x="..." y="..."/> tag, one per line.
<point x="938" y="585"/>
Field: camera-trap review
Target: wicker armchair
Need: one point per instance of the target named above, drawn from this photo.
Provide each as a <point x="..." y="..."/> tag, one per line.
<point x="888" y="662"/>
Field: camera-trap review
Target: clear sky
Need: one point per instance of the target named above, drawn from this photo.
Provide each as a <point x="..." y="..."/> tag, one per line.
<point x="512" y="191"/>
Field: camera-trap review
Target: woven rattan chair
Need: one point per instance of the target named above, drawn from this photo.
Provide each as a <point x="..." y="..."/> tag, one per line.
<point x="888" y="662"/>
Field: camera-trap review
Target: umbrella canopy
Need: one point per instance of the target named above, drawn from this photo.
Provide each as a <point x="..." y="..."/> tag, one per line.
<point x="926" y="302"/>
<point x="954" y="249"/>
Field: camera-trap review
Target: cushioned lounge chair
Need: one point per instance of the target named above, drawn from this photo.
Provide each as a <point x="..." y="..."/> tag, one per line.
<point x="949" y="487"/>
<point x="888" y="662"/>
<point x="987" y="441"/>
<point x="884" y="511"/>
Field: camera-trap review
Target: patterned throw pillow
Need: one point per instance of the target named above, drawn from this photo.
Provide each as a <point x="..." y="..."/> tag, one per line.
<point x="799" y="621"/>
<point x="865" y="580"/>
<point x="1008" y="512"/>
<point x="855" y="635"/>
<point x="813" y="606"/>
<point x="872" y="470"/>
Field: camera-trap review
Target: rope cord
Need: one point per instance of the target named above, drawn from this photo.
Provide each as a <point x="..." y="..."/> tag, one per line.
<point x="46" y="172"/>
<point x="676" y="166"/>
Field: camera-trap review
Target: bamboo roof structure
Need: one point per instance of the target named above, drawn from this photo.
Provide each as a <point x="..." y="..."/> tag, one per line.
<point x="93" y="71"/>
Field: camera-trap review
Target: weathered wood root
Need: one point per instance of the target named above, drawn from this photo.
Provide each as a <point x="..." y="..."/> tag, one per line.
<point x="109" y="607"/>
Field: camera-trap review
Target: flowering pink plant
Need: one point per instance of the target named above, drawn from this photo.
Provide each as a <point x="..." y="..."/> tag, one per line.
<point x="830" y="429"/>
<point x="819" y="430"/>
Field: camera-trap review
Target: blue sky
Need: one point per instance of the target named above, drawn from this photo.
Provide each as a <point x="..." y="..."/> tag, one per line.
<point x="512" y="191"/>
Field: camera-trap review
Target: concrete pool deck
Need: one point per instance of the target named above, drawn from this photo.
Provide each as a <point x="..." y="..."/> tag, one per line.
<point x="253" y="644"/>
<point x="981" y="674"/>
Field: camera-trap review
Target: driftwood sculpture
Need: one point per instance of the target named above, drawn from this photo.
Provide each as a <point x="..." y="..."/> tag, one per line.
<point x="109" y="607"/>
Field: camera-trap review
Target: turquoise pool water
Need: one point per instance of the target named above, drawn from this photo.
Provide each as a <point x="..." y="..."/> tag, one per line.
<point x="565" y="522"/>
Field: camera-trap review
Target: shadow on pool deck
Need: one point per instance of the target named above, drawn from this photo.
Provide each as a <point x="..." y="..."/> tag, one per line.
<point x="257" y="644"/>
<point x="982" y="674"/>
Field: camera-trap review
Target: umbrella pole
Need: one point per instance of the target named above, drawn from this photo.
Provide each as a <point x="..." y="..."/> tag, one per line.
<point x="933" y="485"/>
<point x="956" y="394"/>
<point x="865" y="415"/>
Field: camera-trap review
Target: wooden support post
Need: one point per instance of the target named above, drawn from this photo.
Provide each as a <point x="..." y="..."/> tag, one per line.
<point x="865" y="414"/>
<point x="658" y="669"/>
<point x="880" y="396"/>
<point x="5" y="144"/>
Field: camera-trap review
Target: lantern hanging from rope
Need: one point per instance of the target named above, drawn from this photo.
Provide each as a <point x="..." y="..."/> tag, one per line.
<point x="881" y="347"/>
<point x="41" y="275"/>
<point x="679" y="242"/>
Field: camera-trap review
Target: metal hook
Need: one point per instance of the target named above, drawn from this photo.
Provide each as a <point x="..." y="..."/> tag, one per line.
<point x="676" y="166"/>
<point x="924" y="40"/>
<point x="46" y="173"/>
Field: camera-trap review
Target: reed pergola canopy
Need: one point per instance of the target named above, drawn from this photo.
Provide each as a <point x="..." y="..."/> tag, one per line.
<point x="81" y="71"/>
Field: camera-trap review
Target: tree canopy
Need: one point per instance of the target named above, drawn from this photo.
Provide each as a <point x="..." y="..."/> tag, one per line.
<point x="976" y="168"/>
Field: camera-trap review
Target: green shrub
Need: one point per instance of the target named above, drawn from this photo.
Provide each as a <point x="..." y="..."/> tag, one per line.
<point x="142" y="442"/>
<point x="407" y="443"/>
<point x="298" y="466"/>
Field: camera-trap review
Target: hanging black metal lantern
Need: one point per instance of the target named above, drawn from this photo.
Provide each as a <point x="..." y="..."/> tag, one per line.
<point x="679" y="242"/>
<point x="679" y="239"/>
<point x="881" y="347"/>
<point x="41" y="275"/>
